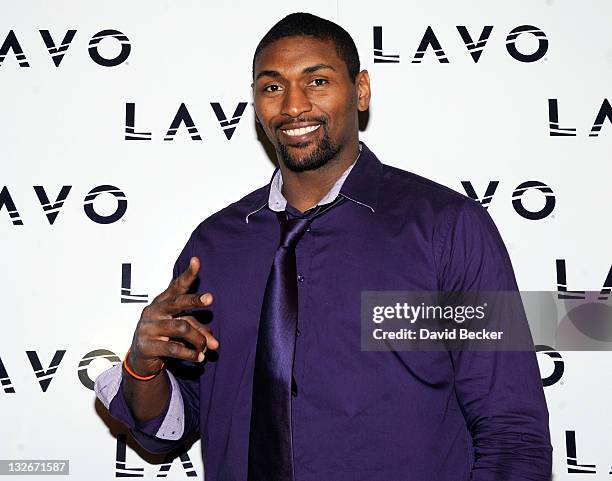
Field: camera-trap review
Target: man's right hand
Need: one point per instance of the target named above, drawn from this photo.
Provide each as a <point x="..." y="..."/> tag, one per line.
<point x="163" y="332"/>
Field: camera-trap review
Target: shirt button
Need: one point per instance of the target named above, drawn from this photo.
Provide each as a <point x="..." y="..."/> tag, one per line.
<point x="300" y="278"/>
<point x="298" y="332"/>
<point x="308" y="229"/>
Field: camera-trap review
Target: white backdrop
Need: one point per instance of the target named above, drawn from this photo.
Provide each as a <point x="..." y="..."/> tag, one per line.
<point x="453" y="122"/>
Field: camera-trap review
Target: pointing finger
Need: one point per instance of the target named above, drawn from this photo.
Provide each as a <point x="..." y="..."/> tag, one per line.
<point x="184" y="281"/>
<point x="181" y="284"/>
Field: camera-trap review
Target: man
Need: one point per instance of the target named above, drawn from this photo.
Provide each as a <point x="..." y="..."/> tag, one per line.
<point x="289" y="394"/>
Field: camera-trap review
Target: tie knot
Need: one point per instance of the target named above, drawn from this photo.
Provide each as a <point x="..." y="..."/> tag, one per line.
<point x="292" y="230"/>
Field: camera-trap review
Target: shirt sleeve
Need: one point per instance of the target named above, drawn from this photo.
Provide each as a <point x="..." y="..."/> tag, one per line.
<point x="169" y="425"/>
<point x="500" y="392"/>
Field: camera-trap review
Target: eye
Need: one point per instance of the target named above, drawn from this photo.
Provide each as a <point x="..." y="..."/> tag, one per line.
<point x="272" y="88"/>
<point x="319" y="82"/>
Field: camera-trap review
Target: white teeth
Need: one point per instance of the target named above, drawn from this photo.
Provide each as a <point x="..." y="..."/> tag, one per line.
<point x="302" y="130"/>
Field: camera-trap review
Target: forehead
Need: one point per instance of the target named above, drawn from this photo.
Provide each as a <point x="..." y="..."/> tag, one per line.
<point x="293" y="54"/>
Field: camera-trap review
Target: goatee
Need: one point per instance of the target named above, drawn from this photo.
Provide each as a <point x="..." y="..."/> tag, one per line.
<point x="325" y="150"/>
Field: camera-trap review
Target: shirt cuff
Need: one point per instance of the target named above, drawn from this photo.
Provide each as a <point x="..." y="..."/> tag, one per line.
<point x="170" y="424"/>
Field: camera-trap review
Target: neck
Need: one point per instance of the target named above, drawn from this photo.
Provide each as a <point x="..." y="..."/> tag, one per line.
<point x="304" y="190"/>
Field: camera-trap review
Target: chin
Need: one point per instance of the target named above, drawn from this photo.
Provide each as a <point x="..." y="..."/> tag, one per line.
<point x="307" y="161"/>
<point x="309" y="155"/>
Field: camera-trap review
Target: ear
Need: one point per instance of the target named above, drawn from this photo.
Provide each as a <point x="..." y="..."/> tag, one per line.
<point x="362" y="85"/>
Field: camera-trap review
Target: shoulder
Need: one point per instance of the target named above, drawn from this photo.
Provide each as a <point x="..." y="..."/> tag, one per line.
<point x="468" y="250"/>
<point x="453" y="221"/>
<point x="233" y="217"/>
<point x="416" y="187"/>
<point x="221" y="229"/>
<point x="431" y="201"/>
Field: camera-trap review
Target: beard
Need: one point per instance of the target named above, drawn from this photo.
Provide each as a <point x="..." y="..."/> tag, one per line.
<point x="323" y="152"/>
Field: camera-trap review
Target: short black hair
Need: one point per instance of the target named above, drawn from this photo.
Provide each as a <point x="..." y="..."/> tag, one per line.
<point x="305" y="24"/>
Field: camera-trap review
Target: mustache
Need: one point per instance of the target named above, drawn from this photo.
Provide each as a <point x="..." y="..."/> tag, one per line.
<point x="287" y="124"/>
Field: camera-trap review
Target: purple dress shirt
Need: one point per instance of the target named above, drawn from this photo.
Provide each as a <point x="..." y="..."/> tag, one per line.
<point x="357" y="415"/>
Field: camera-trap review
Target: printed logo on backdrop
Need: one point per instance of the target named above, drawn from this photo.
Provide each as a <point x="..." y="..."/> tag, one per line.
<point x="430" y="42"/>
<point x="46" y="375"/>
<point x="517" y="197"/>
<point x="573" y="466"/>
<point x="558" y="365"/>
<point x="122" y="470"/>
<point x="88" y="358"/>
<point x="127" y="297"/>
<point x="5" y="380"/>
<point x="554" y="127"/>
<point x="586" y="321"/>
<point x="51" y="208"/>
<point x="43" y="375"/>
<point x="57" y="50"/>
<point x="564" y="293"/>
<point x="183" y="118"/>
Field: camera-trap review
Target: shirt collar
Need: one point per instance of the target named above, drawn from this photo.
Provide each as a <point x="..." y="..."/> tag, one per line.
<point x="278" y="203"/>
<point x="363" y="184"/>
<point x="359" y="183"/>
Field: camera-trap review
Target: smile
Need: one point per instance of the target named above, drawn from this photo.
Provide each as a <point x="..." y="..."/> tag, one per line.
<point x="301" y="131"/>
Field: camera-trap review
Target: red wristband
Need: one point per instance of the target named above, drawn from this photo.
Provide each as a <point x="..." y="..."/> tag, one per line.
<point x="136" y="376"/>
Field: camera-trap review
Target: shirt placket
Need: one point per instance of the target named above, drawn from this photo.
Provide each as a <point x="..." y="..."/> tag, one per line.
<point x="306" y="283"/>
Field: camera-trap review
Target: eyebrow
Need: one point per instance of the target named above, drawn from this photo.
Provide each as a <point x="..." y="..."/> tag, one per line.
<point x="316" y="67"/>
<point x="311" y="69"/>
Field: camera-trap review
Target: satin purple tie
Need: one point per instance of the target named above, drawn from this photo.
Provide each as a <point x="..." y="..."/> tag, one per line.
<point x="270" y="443"/>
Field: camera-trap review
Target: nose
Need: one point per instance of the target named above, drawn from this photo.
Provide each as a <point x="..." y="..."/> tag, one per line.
<point x="296" y="101"/>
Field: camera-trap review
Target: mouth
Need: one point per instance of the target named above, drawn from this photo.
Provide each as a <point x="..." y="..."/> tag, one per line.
<point x="300" y="133"/>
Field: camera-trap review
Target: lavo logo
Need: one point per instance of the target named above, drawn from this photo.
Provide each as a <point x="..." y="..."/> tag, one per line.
<point x="183" y="117"/>
<point x="558" y="365"/>
<point x="52" y="208"/>
<point x="122" y="470"/>
<point x="555" y="130"/>
<point x="127" y="296"/>
<point x="564" y="293"/>
<point x="517" y="197"/>
<point x="573" y="466"/>
<point x="474" y="47"/>
<point x="57" y="52"/>
<point x="586" y="320"/>
<point x="45" y="375"/>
